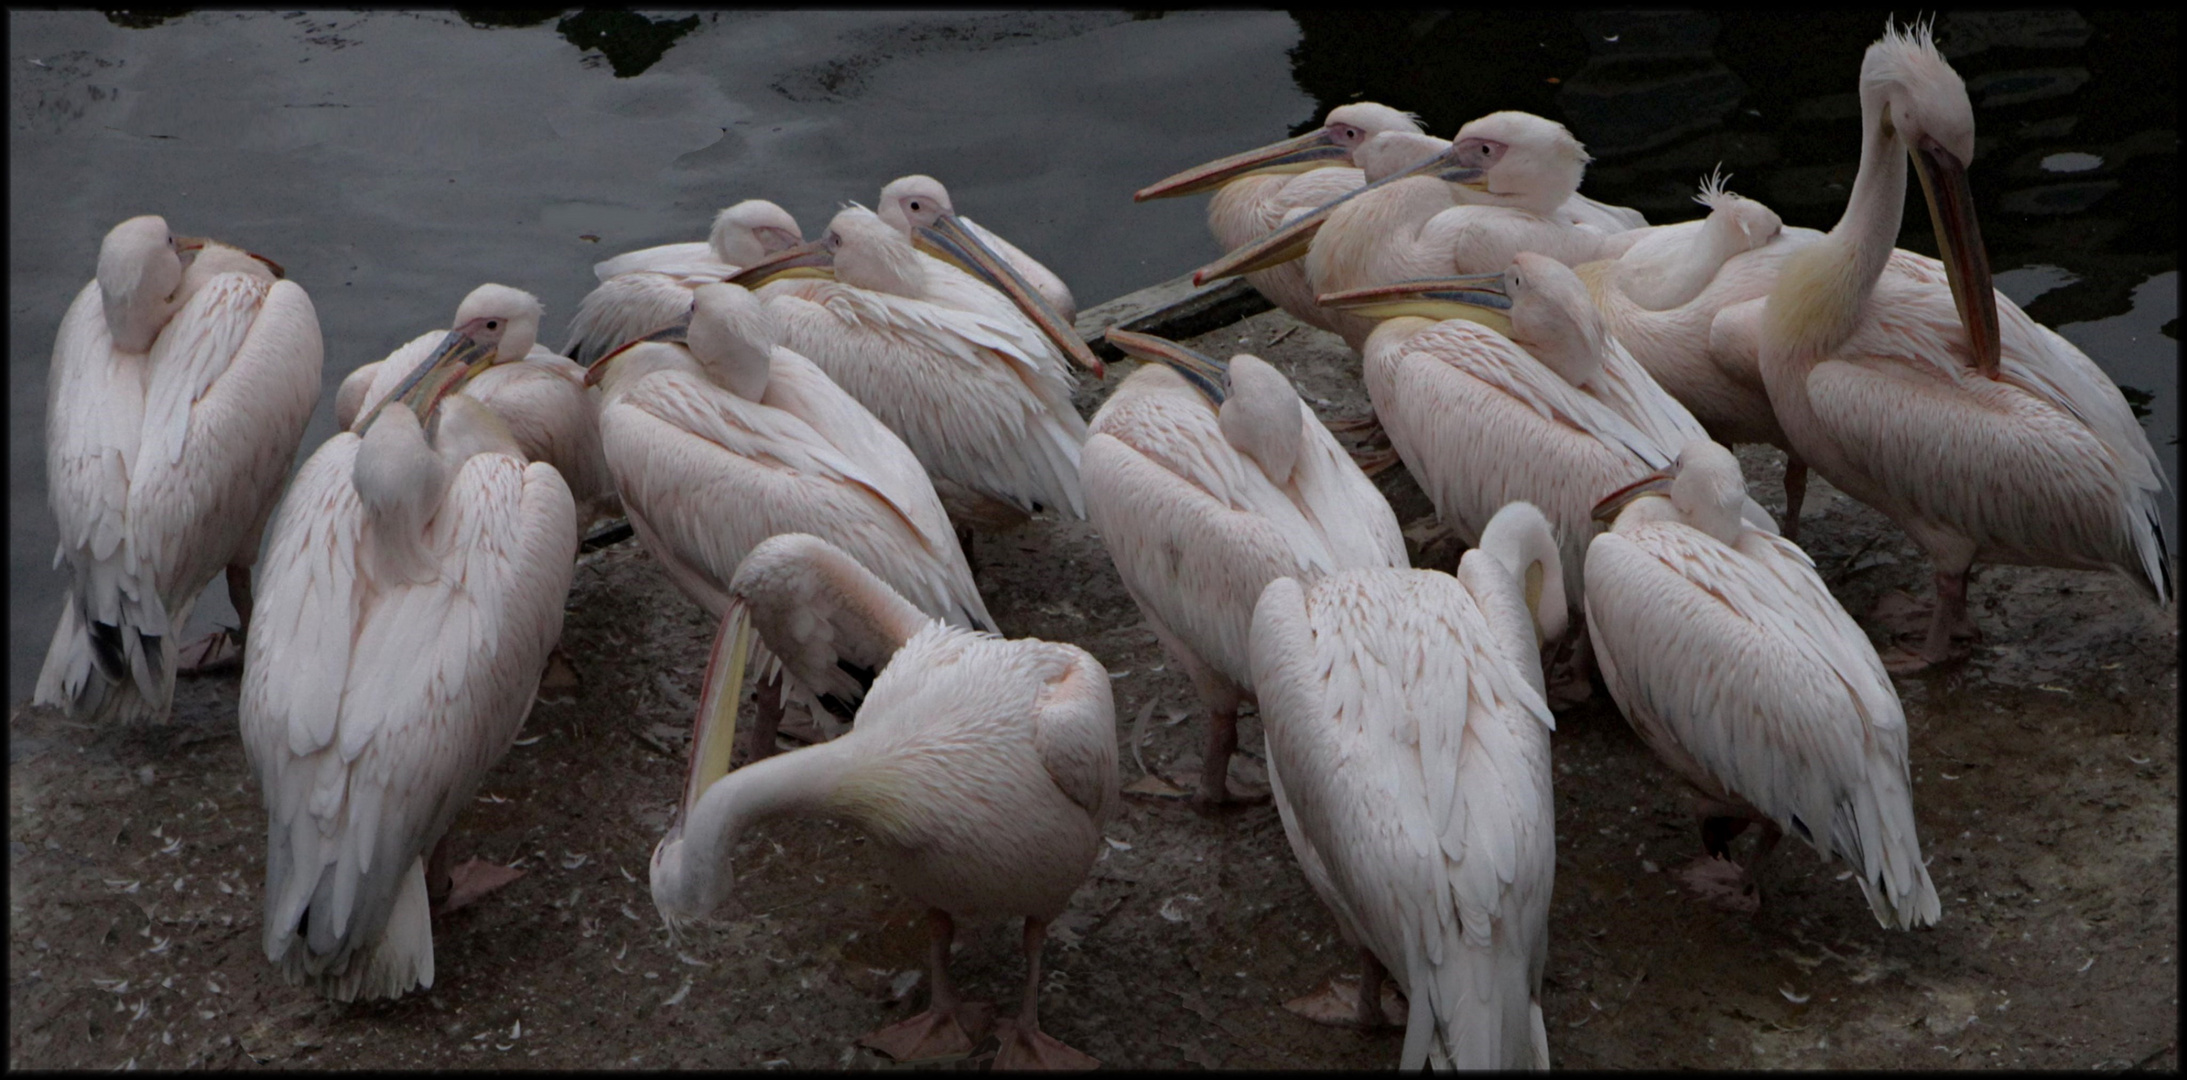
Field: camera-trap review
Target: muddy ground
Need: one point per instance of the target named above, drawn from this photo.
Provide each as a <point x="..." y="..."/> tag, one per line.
<point x="2046" y="787"/>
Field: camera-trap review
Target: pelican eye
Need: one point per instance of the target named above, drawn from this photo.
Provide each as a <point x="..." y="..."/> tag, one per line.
<point x="493" y="324"/>
<point x="914" y="204"/>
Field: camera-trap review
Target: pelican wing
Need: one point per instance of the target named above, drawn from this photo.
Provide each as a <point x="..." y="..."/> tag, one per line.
<point x="93" y="405"/>
<point x="1499" y="362"/>
<point x="1416" y="760"/>
<point x="1196" y="530"/>
<point x="627" y="307"/>
<point x="713" y="475"/>
<point x="1635" y="396"/>
<point x="970" y="394"/>
<point x="234" y="378"/>
<point x="371" y="712"/>
<point x="1074" y="730"/>
<point x="691" y="260"/>
<point x="1742" y="670"/>
<point x="1351" y="515"/>
<point x="555" y="419"/>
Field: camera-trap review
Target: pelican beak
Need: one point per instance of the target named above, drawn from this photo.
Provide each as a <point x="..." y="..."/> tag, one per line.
<point x="459" y="356"/>
<point x="1292" y="240"/>
<point x="811" y="259"/>
<point x="278" y="271"/>
<point x="950" y="241"/>
<point x="713" y="732"/>
<point x="1477" y="297"/>
<point x="1959" y="243"/>
<point x="1312" y="150"/>
<point x="678" y="333"/>
<point x="1658" y="483"/>
<point x="190" y="243"/>
<point x="1210" y="376"/>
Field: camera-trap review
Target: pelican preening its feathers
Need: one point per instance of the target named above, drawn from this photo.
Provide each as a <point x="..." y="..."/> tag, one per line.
<point x="983" y="770"/>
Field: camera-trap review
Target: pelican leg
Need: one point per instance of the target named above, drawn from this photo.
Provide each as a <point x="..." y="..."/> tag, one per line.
<point x="1715" y="877"/>
<point x="449" y="889"/>
<point x="1948" y="619"/>
<point x="222" y="650"/>
<point x="1795" y="494"/>
<point x="766" y="718"/>
<point x="1024" y="1045"/>
<point x="949" y="1028"/>
<point x="1222" y="697"/>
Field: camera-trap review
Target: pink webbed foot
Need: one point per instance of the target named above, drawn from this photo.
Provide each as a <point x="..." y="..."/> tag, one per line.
<point x="936" y="1034"/>
<point x="1721" y="884"/>
<point x="1027" y="1047"/>
<point x="216" y="653"/>
<point x="471" y="881"/>
<point x="1337" y="1005"/>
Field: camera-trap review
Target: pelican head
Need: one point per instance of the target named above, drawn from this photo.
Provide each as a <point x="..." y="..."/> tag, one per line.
<point x="752" y="230"/>
<point x="1526" y="162"/>
<point x="1521" y="541"/>
<point x="733" y="336"/>
<point x="909" y="202"/>
<point x="1705" y="488"/>
<point x="1342" y="132"/>
<point x="140" y="274"/>
<point x="1256" y="406"/>
<point x="1537" y="302"/>
<point x="1918" y="99"/>
<point x="493" y="324"/>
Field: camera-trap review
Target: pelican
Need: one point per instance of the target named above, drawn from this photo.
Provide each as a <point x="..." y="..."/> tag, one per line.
<point x="643" y="291"/>
<point x="983" y="396"/>
<point x="1207" y="481"/>
<point x="1257" y="191"/>
<point x="414" y="583"/>
<point x="181" y="381"/>
<point x="982" y="769"/>
<point x="1518" y="395"/>
<point x="1913" y="387"/>
<point x="911" y="202"/>
<point x="723" y="440"/>
<point x="1499" y="189"/>
<point x="539" y="395"/>
<point x="1408" y="746"/>
<point x="1737" y="667"/>
<point x="1676" y="296"/>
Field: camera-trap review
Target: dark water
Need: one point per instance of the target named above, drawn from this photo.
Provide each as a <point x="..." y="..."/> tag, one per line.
<point x="393" y="161"/>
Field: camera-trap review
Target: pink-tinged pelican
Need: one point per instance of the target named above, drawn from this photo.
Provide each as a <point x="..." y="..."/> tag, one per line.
<point x="1258" y="190"/>
<point x="1674" y="297"/>
<point x="1497" y="190"/>
<point x="643" y="291"/>
<point x="1739" y="669"/>
<point x="181" y="381"/>
<point x="913" y="202"/>
<point x="1518" y="394"/>
<point x="537" y="393"/>
<point x="1207" y="481"/>
<point x="1408" y="745"/>
<point x="982" y="769"/>
<point x="975" y="380"/>
<point x="1913" y="387"/>
<point x="726" y="438"/>
<point x="414" y="582"/>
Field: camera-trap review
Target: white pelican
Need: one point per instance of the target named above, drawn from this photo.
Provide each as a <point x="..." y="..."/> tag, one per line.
<point x="1738" y="668"/>
<point x="1499" y="189"/>
<point x="1258" y="190"/>
<point x="643" y="291"/>
<point x="982" y="769"/>
<point x="1913" y="387"/>
<point x="723" y="440"/>
<point x="1408" y="746"/>
<point x="1206" y="482"/>
<point x="414" y="583"/>
<point x="1673" y="297"/>
<point x="540" y="395"/>
<point x="1518" y="395"/>
<point x="912" y="202"/>
<point x="982" y="396"/>
<point x="182" y="378"/>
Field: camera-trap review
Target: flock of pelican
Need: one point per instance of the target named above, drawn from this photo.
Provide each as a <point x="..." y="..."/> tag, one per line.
<point x="804" y="435"/>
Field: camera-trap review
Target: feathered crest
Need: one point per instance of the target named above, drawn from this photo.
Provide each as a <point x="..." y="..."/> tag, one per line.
<point x="1713" y="193"/>
<point x="1917" y="35"/>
